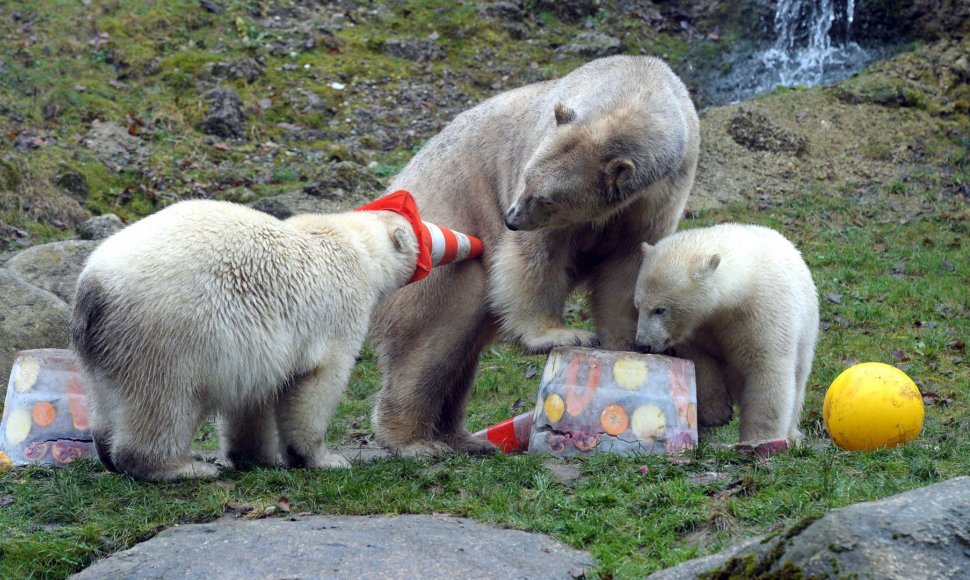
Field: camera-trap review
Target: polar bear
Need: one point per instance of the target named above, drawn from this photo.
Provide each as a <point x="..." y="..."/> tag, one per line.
<point x="561" y="180"/>
<point x="213" y="307"/>
<point x="739" y="301"/>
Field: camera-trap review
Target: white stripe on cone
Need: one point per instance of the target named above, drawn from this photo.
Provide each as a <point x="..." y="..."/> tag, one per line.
<point x="462" y="247"/>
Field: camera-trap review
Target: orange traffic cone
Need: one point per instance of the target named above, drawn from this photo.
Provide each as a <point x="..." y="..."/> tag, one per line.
<point x="510" y="435"/>
<point x="437" y="245"/>
<point x="449" y="246"/>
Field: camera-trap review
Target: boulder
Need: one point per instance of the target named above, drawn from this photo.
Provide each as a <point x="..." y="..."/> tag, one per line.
<point x="53" y="267"/>
<point x="408" y="546"/>
<point x="924" y="533"/>
<point x="30" y="317"/>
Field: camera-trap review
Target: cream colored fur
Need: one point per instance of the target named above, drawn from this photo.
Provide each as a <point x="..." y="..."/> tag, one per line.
<point x="211" y="307"/>
<point x="740" y="302"/>
<point x="582" y="168"/>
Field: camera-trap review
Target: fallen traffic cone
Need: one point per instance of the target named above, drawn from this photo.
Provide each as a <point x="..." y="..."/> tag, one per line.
<point x="437" y="245"/>
<point x="510" y="435"/>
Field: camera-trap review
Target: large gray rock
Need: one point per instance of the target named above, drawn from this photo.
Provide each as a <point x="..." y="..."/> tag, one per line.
<point x="409" y="546"/>
<point x="29" y="318"/>
<point x="53" y="267"/>
<point x="924" y="533"/>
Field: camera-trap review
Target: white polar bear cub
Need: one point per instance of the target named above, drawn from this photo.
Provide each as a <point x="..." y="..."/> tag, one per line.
<point x="212" y="307"/>
<point x="739" y="301"/>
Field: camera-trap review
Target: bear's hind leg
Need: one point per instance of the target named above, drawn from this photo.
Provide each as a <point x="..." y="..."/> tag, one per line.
<point x="103" y="403"/>
<point x="767" y="403"/>
<point x="152" y="437"/>
<point x="428" y="338"/>
<point x="304" y="410"/>
<point x="248" y="436"/>
<point x="714" y="401"/>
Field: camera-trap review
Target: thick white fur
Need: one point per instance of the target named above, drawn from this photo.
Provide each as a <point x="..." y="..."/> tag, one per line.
<point x="212" y="307"/>
<point x="740" y="302"/>
<point x="583" y="168"/>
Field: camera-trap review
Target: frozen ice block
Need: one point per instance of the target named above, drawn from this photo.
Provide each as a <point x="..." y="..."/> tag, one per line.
<point x="594" y="400"/>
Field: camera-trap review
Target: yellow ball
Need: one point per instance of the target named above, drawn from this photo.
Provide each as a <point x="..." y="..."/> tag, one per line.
<point x="872" y="405"/>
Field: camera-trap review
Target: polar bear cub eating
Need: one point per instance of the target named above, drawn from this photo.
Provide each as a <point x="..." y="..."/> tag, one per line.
<point x="739" y="301"/>
<point x="212" y="307"/>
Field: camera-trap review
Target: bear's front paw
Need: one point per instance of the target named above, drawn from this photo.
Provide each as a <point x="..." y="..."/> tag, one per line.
<point x="466" y="443"/>
<point x="191" y="470"/>
<point x="424" y="449"/>
<point x="543" y="342"/>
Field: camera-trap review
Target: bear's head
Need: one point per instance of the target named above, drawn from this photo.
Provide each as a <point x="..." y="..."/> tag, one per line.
<point x="675" y="293"/>
<point x="588" y="169"/>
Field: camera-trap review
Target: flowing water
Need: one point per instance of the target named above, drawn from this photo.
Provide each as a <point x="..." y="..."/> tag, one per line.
<point x="813" y="45"/>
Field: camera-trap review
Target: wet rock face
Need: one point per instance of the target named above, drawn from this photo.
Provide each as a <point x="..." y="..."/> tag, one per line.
<point x="922" y="533"/>
<point x="226" y="117"/>
<point x="756" y="131"/>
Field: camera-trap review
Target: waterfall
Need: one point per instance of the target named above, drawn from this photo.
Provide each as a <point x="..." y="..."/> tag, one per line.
<point x="812" y="44"/>
<point x="804" y="52"/>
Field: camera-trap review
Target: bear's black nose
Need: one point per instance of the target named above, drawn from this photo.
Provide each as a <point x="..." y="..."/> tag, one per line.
<point x="509" y="223"/>
<point x="644" y="348"/>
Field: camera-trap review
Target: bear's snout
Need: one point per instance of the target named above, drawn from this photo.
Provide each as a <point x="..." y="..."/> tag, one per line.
<point x="510" y="221"/>
<point x="643" y="347"/>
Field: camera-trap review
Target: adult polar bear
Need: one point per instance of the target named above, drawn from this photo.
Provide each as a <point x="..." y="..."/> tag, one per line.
<point x="585" y="168"/>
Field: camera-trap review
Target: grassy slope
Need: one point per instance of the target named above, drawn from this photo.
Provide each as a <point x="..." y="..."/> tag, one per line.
<point x="57" y="521"/>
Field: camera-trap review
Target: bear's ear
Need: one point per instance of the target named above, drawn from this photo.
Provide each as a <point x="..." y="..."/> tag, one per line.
<point x="619" y="171"/>
<point x="646" y="249"/>
<point x="564" y="114"/>
<point x="400" y="238"/>
<point x="706" y="266"/>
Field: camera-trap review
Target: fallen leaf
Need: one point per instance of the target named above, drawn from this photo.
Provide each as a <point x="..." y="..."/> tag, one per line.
<point x="834" y="298"/>
<point x="530" y="371"/>
<point x="284" y="504"/>
<point x="948" y="266"/>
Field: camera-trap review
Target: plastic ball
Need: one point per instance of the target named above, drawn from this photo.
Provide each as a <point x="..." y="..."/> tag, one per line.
<point x="871" y="406"/>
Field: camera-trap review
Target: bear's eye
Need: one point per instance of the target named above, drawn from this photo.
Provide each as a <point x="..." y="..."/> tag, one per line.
<point x="658" y="311"/>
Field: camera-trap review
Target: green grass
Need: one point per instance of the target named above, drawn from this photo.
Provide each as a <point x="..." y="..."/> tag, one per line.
<point x="59" y="520"/>
<point x="894" y="264"/>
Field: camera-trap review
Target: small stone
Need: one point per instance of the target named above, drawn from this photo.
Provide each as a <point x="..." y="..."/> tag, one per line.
<point x="99" y="227"/>
<point x="226" y="117"/>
